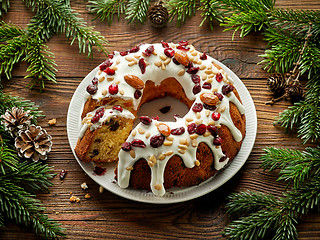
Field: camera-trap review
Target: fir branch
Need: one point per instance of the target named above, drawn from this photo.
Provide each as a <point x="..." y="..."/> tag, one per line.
<point x="247" y="16"/>
<point x="9" y="31"/>
<point x="210" y="11"/>
<point x="1" y="220"/>
<point x="181" y="10"/>
<point x="8" y="101"/>
<point x="137" y="10"/>
<point x="5" y="5"/>
<point x="41" y="63"/>
<point x="106" y="9"/>
<point x="54" y="17"/>
<point x="32" y="176"/>
<point x="305" y="115"/>
<point x="21" y="207"/>
<point x="8" y="159"/>
<point x="12" y="53"/>
<point x="294" y="165"/>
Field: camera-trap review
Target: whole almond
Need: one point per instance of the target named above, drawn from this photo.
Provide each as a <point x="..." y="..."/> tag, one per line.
<point x="209" y="99"/>
<point x="134" y="81"/>
<point x="164" y="129"/>
<point x="181" y="57"/>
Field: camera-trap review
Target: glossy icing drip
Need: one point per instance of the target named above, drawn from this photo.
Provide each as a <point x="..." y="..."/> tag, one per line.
<point x="159" y="67"/>
<point x="108" y="114"/>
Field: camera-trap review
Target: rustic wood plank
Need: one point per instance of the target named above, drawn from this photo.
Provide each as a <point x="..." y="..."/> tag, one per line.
<point x="107" y="216"/>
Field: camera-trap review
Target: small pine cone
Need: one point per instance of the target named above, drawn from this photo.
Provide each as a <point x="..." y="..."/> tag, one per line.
<point x="33" y="143"/>
<point x="158" y="15"/>
<point x="15" y="120"/>
<point x="276" y="84"/>
<point x="295" y="92"/>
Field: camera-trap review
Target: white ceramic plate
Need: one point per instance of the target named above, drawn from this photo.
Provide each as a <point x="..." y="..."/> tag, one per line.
<point x="176" y="194"/>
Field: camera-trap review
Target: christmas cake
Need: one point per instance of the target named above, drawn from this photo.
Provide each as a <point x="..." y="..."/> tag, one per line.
<point x="158" y="155"/>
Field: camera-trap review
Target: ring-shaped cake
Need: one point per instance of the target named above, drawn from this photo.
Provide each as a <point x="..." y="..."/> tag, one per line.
<point x="158" y="155"/>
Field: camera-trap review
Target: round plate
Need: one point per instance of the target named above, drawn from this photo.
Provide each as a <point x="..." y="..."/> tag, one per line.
<point x="173" y="195"/>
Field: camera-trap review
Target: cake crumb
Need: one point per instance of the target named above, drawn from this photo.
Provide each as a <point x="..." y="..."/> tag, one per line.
<point x="74" y="199"/>
<point x="84" y="186"/>
<point x="52" y="121"/>
<point x="87" y="196"/>
<point x="101" y="189"/>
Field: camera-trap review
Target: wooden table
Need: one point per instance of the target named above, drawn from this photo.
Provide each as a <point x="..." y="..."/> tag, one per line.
<point x="108" y="216"/>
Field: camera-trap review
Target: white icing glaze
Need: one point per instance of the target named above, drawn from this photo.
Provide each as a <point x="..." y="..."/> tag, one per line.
<point x="127" y="64"/>
<point x="108" y="114"/>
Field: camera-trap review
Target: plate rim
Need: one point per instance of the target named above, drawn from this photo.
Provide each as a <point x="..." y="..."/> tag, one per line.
<point x="198" y="190"/>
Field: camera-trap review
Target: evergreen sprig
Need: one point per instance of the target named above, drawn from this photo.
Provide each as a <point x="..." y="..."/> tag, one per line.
<point x="182" y="9"/>
<point x="52" y="17"/>
<point x="304" y="115"/>
<point x="137" y="10"/>
<point x="259" y="215"/>
<point x="20" y="181"/>
<point x="5" y="4"/>
<point x="106" y="9"/>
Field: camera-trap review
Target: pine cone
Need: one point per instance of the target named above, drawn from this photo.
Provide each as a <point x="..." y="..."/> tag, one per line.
<point x="295" y="92"/>
<point x="33" y="143"/>
<point x="276" y="84"/>
<point x="158" y="15"/>
<point x="15" y="120"/>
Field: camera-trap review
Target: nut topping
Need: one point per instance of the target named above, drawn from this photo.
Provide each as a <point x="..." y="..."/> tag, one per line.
<point x="134" y="81"/>
<point x="209" y="99"/>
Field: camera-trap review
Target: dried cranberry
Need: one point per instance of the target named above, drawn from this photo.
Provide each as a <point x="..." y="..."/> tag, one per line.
<point x="215" y="116"/>
<point x="192" y="128"/>
<point x="201" y="129"/>
<point x="183" y="43"/>
<point x="213" y="130"/>
<point x="118" y="108"/>
<point x="206" y="85"/>
<point x="138" y="143"/>
<point x="62" y="174"/>
<point x="193" y="70"/>
<point x="155" y="118"/>
<point x="190" y="65"/>
<point x="217" y="141"/>
<point x="99" y="170"/>
<point x="100" y="112"/>
<point x="208" y="107"/>
<point x="164" y="44"/>
<point x="165" y="109"/>
<point x="142" y="65"/>
<point x="169" y="52"/>
<point x="227" y="89"/>
<point x="126" y="146"/>
<point x="105" y="64"/>
<point x="219" y="95"/>
<point x="184" y="48"/>
<point x="195" y="78"/>
<point x="145" y="120"/>
<point x="110" y="56"/>
<point x="156" y="140"/>
<point x="197" y="107"/>
<point x="196" y="88"/>
<point x="149" y="51"/>
<point x="109" y="71"/>
<point x="178" y="131"/>
<point x="95" y="119"/>
<point x="113" y="89"/>
<point x="223" y="159"/>
<point x="124" y="53"/>
<point x="137" y="94"/>
<point x="95" y="81"/>
<point x="92" y="89"/>
<point x="203" y="56"/>
<point x="175" y="61"/>
<point x="219" y="77"/>
<point x="134" y="49"/>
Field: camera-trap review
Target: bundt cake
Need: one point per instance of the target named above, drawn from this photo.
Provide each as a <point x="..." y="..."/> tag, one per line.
<point x="158" y="155"/>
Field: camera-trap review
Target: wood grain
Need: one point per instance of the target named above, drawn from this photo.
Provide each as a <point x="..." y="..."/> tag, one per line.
<point x="107" y="216"/>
